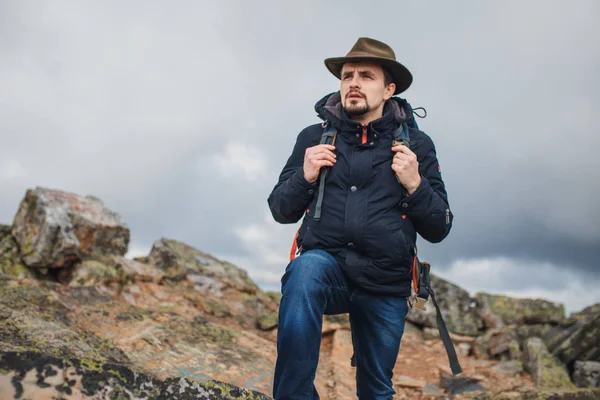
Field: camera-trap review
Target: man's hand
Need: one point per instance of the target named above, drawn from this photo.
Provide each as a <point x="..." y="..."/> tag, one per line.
<point x="316" y="157"/>
<point x="406" y="167"/>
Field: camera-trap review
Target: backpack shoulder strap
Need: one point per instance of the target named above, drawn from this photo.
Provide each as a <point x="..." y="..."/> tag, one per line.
<point x="401" y="135"/>
<point x="329" y="134"/>
<point x="328" y="137"/>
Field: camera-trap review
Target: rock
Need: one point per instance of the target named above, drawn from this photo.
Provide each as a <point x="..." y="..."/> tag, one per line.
<point x="545" y="369"/>
<point x="498" y="344"/>
<point x="275" y="296"/>
<point x="98" y="327"/>
<point x="460" y="312"/>
<point x="57" y="229"/>
<point x="578" y="338"/>
<point x="510" y="368"/>
<point x="93" y="272"/>
<point x="432" y="390"/>
<point x="178" y="259"/>
<point x="524" y="332"/>
<point x="34" y="375"/>
<point x="492" y="321"/>
<point x="266" y="322"/>
<point x="337" y="321"/>
<point x="10" y="258"/>
<point x="521" y="311"/>
<point x="408" y="382"/>
<point x="216" y="308"/>
<point x="111" y="269"/>
<point x="587" y="374"/>
<point x="504" y="346"/>
<point x="464" y="349"/>
<point x="458" y="384"/>
<point x="552" y="394"/>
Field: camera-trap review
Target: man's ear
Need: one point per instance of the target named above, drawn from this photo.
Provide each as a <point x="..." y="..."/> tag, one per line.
<point x="389" y="91"/>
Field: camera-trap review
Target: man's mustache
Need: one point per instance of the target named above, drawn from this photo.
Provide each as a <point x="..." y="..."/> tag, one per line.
<point x="355" y="93"/>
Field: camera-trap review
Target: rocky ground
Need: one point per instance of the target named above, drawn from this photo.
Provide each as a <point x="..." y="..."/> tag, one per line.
<point x="79" y="320"/>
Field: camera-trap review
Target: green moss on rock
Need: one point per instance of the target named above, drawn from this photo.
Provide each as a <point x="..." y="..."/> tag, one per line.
<point x="10" y="259"/>
<point x="267" y="321"/>
<point x="514" y="311"/>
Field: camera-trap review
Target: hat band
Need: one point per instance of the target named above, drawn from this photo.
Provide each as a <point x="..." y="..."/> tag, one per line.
<point x="362" y="54"/>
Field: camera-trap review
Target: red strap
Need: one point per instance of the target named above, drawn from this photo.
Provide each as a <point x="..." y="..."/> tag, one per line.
<point x="294" y="246"/>
<point x="415" y="276"/>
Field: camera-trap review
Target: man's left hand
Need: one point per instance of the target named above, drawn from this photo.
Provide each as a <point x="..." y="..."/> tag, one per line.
<point x="406" y="167"/>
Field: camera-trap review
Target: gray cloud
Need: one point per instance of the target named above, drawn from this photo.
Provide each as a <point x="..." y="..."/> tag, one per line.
<point x="150" y="107"/>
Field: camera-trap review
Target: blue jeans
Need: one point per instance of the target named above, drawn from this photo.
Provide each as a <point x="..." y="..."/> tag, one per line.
<point x="313" y="285"/>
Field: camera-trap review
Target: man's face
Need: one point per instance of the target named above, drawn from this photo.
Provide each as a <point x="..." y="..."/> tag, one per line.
<point x="363" y="88"/>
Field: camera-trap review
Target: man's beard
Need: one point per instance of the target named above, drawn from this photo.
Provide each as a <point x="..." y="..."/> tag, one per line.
<point x="356" y="110"/>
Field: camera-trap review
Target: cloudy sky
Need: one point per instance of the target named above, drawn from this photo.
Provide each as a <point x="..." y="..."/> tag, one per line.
<point x="180" y="116"/>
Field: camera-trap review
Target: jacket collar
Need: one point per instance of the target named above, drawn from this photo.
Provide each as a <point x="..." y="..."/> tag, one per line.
<point x="329" y="108"/>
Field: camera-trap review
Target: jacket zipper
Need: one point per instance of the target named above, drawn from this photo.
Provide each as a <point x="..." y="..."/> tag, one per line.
<point x="447" y="216"/>
<point x="364" y="134"/>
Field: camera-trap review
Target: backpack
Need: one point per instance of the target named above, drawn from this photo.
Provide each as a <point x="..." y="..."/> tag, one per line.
<point x="421" y="283"/>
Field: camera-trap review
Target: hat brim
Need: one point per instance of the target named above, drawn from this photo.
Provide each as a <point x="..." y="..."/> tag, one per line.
<point x="400" y="74"/>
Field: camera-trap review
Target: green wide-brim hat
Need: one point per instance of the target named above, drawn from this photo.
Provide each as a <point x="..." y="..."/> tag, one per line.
<point x="371" y="50"/>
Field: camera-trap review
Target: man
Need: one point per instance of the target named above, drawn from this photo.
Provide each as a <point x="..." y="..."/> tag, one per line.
<point x="356" y="256"/>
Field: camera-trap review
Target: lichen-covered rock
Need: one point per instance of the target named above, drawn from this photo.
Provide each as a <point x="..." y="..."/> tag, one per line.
<point x="10" y="258"/>
<point x="57" y="229"/>
<point x="524" y="332"/>
<point x="460" y="312"/>
<point x="504" y="345"/>
<point x="521" y="311"/>
<point x="544" y="394"/>
<point x="510" y="368"/>
<point x="500" y="344"/>
<point x="181" y="260"/>
<point x="113" y="269"/>
<point x="587" y="374"/>
<point x="578" y="338"/>
<point x="92" y="272"/>
<point x="34" y="375"/>
<point x="267" y="322"/>
<point x="545" y="369"/>
<point x="275" y="296"/>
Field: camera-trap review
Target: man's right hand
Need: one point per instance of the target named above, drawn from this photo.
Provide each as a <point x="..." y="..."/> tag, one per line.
<point x="316" y="157"/>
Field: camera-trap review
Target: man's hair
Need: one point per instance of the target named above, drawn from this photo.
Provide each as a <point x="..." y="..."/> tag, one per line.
<point x="387" y="77"/>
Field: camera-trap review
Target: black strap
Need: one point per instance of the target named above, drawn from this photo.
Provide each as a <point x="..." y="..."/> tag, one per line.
<point x="328" y="137"/>
<point x="401" y="135"/>
<point x="444" y="334"/>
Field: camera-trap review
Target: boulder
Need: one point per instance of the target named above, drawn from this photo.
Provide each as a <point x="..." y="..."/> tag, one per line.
<point x="459" y="310"/>
<point x="545" y="369"/>
<point x="544" y="394"/>
<point x="578" y="338"/>
<point x="94" y="328"/>
<point x="57" y="229"/>
<point x="111" y="269"/>
<point x="33" y="375"/>
<point x="179" y="260"/>
<point x="500" y="344"/>
<point x="267" y="322"/>
<point x="587" y="374"/>
<point x="524" y="332"/>
<point x="10" y="258"/>
<point x="521" y="311"/>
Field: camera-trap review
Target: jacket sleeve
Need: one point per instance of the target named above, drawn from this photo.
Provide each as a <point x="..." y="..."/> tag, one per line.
<point x="428" y="207"/>
<point x="292" y="193"/>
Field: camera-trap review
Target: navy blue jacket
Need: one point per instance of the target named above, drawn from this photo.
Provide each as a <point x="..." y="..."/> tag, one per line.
<point x="368" y="221"/>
